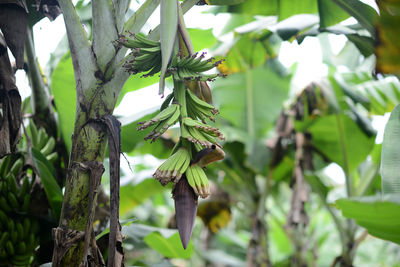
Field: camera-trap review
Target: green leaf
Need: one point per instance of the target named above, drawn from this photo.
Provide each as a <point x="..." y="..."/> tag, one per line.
<point x="246" y="52"/>
<point x="251" y="101"/>
<point x="380" y="216"/>
<point x="139" y="231"/>
<point x="382" y="95"/>
<point x="330" y="13"/>
<point x="256" y="7"/>
<point x="170" y="247"/>
<point x="340" y="139"/>
<point x="288" y="8"/>
<point x="364" y="44"/>
<point x="63" y="90"/>
<point x="363" y="13"/>
<point x="390" y="167"/>
<point x="130" y="137"/>
<point x="169" y="27"/>
<point x="133" y="195"/>
<point x="224" y="2"/>
<point x="202" y="39"/>
<point x="47" y="176"/>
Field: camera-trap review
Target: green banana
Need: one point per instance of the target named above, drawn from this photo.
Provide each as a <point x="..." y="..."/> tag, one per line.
<point x="25" y="187"/>
<point x="11" y="183"/>
<point x="162" y="115"/>
<point x="49" y="146"/>
<point x="21" y="260"/>
<point x="13" y="201"/>
<point x="26" y="203"/>
<point x="203" y="127"/>
<point x="11" y="225"/>
<point x="166" y="102"/>
<point x="20" y="230"/>
<point x="10" y="248"/>
<point x="42" y="139"/>
<point x="5" y="164"/>
<point x="30" y="241"/>
<point x="151" y="50"/>
<point x="17" y="166"/>
<point x="27" y="226"/>
<point x="198" y="102"/>
<point x="4" y="238"/>
<point x="142" y="39"/>
<point x="197" y="179"/>
<point x="128" y="42"/>
<point x="4" y="205"/>
<point x="52" y="157"/>
<point x="3" y="218"/>
<point x="3" y="255"/>
<point x="14" y="237"/>
<point x="154" y="70"/>
<point x="34" y="134"/>
<point x="21" y="248"/>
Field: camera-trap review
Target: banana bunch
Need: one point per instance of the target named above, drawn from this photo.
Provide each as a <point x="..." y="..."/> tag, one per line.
<point x="198" y="108"/>
<point x="18" y="240"/>
<point x="164" y="119"/>
<point x="42" y="142"/>
<point x="18" y="237"/>
<point x="197" y="179"/>
<point x="192" y="67"/>
<point x="145" y="55"/>
<point x="13" y="197"/>
<point x="174" y="167"/>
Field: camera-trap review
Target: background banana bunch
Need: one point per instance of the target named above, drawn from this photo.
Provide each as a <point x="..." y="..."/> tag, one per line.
<point x="19" y="235"/>
<point x="42" y="142"/>
<point x="18" y="229"/>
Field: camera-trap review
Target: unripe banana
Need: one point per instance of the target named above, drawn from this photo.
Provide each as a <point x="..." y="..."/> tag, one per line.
<point x="13" y="201"/>
<point x="42" y="136"/>
<point x="49" y="147"/>
<point x="4" y="204"/>
<point x="21" y="248"/>
<point x="10" y="248"/>
<point x="3" y="239"/>
<point x="27" y="226"/>
<point x="5" y="165"/>
<point x="34" y="134"/>
<point x="20" y="230"/>
<point x="52" y="157"/>
<point x="3" y="255"/>
<point x="26" y="203"/>
<point x="30" y="242"/>
<point x="14" y="236"/>
<point x="3" y="218"/>
<point x="17" y="166"/>
<point x="12" y="184"/>
<point x="25" y="187"/>
<point x="11" y="225"/>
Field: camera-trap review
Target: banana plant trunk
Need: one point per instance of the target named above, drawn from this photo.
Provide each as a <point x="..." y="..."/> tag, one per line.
<point x="99" y="79"/>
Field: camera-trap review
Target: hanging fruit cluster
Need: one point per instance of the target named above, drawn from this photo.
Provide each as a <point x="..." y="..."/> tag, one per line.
<point x="19" y="228"/>
<point x="19" y="231"/>
<point x="189" y="105"/>
<point x="182" y="106"/>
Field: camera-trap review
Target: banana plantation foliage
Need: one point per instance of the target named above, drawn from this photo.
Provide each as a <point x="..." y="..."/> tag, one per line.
<point x="236" y="157"/>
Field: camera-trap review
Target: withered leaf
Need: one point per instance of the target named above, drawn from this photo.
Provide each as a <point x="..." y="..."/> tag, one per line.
<point x="13" y="24"/>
